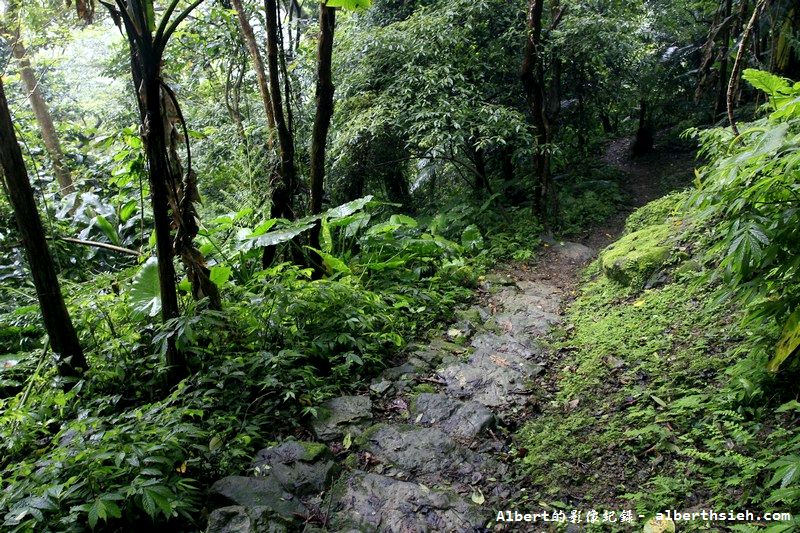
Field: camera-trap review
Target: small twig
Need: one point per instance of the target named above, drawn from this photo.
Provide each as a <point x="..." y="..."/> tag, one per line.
<point x="96" y="244"/>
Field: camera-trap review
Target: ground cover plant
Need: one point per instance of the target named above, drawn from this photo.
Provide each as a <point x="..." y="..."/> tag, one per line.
<point x="222" y="219"/>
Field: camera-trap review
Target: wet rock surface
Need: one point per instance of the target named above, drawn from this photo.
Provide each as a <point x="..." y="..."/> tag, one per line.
<point x="297" y="467"/>
<point x="240" y="519"/>
<point x="462" y="420"/>
<point x="251" y="492"/>
<point x="418" y="449"/>
<point x="372" y="502"/>
<point x="342" y="415"/>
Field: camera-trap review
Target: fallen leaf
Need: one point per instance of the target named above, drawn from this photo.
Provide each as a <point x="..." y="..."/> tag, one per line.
<point x="478" y="497"/>
<point x="658" y="400"/>
<point x="573" y="404"/>
<point x="500" y="361"/>
<point x="659" y="526"/>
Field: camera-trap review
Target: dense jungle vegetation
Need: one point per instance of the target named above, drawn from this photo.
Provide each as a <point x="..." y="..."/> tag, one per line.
<point x="218" y="215"/>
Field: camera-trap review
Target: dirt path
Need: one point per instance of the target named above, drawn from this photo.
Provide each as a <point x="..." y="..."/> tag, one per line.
<point x="427" y="447"/>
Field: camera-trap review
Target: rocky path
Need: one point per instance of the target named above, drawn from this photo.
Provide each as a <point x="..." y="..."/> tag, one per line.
<point x="427" y="448"/>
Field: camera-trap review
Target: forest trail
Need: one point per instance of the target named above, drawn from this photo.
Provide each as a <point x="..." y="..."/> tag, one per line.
<point x="427" y="447"/>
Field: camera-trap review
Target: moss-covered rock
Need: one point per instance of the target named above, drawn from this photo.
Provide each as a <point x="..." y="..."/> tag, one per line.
<point x="657" y="212"/>
<point x="635" y="257"/>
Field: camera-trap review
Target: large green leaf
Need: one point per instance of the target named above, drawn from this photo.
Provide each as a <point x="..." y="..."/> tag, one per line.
<point x="127" y="210"/>
<point x="278" y="236"/>
<point x="765" y="81"/>
<point x="471" y="238"/>
<point x="107" y="229"/>
<point x="349" y="4"/>
<point x="789" y="342"/>
<point x="348" y="209"/>
<point x="145" y="292"/>
<point x="326" y="239"/>
<point x="220" y="274"/>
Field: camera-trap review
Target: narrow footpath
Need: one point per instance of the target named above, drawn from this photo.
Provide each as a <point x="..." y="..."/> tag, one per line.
<point x="427" y="447"/>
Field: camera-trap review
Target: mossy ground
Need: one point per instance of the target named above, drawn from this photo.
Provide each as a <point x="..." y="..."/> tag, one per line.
<point x="647" y="409"/>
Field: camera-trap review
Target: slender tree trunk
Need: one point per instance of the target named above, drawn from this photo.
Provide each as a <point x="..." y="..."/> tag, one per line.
<point x="786" y="51"/>
<point x="507" y="162"/>
<point x="156" y="151"/>
<point x="324" y="112"/>
<point x="719" y="107"/>
<point x="285" y="184"/>
<point x="643" y="142"/>
<point x="232" y="100"/>
<point x="532" y="76"/>
<point x="43" y="117"/>
<point x="258" y="65"/>
<point x="733" y="85"/>
<point x="63" y="338"/>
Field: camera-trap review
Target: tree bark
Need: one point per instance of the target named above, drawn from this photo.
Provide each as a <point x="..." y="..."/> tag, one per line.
<point x="532" y="77"/>
<point x="285" y="183"/>
<point x="249" y="37"/>
<point x="733" y="84"/>
<point x="507" y="162"/>
<point x="43" y="117"/>
<point x="70" y="360"/>
<point x="167" y="190"/>
<point x="719" y="107"/>
<point x="323" y="114"/>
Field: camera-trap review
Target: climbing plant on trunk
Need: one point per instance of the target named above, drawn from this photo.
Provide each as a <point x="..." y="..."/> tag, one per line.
<point x="543" y="98"/>
<point x="173" y="191"/>
<point x="284" y="181"/>
<point x="63" y="339"/>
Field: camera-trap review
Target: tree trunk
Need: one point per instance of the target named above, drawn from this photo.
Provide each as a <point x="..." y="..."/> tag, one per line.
<point x="643" y="142"/>
<point x="786" y="54"/>
<point x="323" y="114"/>
<point x="507" y="162"/>
<point x="258" y="65"/>
<point x="156" y="151"/>
<point x="63" y="339"/>
<point x="722" y="88"/>
<point x="43" y="117"/>
<point x="285" y="184"/>
<point x="532" y="76"/>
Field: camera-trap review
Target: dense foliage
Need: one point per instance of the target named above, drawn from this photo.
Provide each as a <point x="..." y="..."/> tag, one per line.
<point x="229" y="261"/>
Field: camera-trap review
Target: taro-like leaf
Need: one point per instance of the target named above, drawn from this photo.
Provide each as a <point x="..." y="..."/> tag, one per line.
<point x="145" y="292"/>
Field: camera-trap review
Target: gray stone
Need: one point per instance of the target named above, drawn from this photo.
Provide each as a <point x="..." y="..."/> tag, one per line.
<point x="527" y="311"/>
<point x="498" y="279"/>
<point x="396" y="372"/>
<point x="495" y="374"/>
<point x="428" y="453"/>
<point x="380" y="386"/>
<point x="238" y="519"/>
<point x="342" y="415"/>
<point x="573" y="251"/>
<point x="300" y="468"/>
<point x="371" y="502"/>
<point x="458" y="419"/>
<point x="257" y="492"/>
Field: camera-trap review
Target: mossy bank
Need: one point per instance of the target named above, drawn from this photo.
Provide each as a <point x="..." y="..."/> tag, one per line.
<point x="657" y="396"/>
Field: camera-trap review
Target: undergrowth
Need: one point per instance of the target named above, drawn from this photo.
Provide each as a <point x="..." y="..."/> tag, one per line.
<point x="120" y="449"/>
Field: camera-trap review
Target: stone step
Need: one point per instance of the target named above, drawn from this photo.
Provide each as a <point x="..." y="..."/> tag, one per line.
<point x="373" y="502"/>
<point x="460" y="420"/>
<point x="426" y="454"/>
<point x="495" y="375"/>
